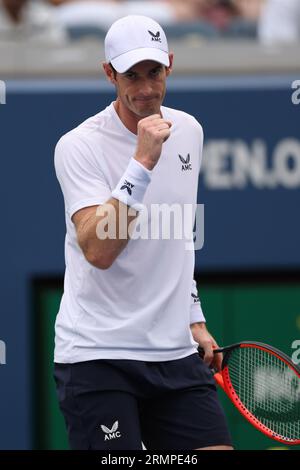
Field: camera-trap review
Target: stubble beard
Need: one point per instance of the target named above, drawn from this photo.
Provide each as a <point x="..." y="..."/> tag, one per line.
<point x="147" y="111"/>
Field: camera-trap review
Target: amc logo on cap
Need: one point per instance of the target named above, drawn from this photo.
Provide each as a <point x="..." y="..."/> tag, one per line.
<point x="155" y="37"/>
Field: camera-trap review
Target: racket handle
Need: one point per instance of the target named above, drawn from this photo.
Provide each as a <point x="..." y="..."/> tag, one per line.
<point x="217" y="375"/>
<point x="201" y="351"/>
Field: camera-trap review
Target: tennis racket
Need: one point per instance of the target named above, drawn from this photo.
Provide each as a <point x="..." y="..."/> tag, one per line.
<point x="264" y="385"/>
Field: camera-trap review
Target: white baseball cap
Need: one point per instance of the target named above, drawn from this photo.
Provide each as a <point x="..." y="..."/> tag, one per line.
<point x="135" y="38"/>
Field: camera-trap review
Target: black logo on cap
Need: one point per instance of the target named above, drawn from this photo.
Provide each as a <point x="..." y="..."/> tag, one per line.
<point x="155" y="37"/>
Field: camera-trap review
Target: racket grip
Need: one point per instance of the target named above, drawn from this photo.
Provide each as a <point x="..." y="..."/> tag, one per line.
<point x="201" y="354"/>
<point x="201" y="351"/>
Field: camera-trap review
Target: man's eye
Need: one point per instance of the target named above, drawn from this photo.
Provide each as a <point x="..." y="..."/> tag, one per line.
<point x="156" y="72"/>
<point x="130" y="75"/>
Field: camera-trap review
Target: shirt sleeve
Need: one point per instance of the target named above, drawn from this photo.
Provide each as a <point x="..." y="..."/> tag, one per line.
<point x="81" y="178"/>
<point x="196" y="314"/>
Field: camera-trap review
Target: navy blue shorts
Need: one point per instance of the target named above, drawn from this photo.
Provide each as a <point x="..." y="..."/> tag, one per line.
<point x="118" y="404"/>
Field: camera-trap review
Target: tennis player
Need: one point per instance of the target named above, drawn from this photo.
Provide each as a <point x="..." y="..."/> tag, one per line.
<point x="126" y="363"/>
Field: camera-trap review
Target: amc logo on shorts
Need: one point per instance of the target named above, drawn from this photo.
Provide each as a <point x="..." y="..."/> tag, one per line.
<point x="112" y="433"/>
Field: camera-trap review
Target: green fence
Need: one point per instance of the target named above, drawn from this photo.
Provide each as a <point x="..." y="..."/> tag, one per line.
<point x="49" y="430"/>
<point x="261" y="311"/>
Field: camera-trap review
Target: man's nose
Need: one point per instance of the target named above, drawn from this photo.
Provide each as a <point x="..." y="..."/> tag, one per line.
<point x="146" y="88"/>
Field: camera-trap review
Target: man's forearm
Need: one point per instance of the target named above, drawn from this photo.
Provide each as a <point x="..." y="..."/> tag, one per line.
<point x="103" y="234"/>
<point x="197" y="330"/>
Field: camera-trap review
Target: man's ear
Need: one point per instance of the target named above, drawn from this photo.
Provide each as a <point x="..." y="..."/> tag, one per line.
<point x="109" y="72"/>
<point x="170" y="68"/>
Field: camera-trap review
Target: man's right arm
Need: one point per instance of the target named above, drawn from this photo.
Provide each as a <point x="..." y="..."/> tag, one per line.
<point x="100" y="251"/>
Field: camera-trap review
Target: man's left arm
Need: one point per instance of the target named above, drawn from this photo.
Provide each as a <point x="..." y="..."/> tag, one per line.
<point x="200" y="332"/>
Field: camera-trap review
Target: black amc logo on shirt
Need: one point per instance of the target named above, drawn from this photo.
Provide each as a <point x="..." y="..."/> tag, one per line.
<point x="186" y="165"/>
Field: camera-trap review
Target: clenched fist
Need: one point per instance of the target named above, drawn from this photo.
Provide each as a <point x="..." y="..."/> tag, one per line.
<point x="153" y="131"/>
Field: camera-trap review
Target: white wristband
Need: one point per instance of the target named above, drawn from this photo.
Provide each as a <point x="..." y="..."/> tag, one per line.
<point x="132" y="186"/>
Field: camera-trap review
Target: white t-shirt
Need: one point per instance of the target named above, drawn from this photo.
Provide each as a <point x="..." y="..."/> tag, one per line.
<point x="142" y="306"/>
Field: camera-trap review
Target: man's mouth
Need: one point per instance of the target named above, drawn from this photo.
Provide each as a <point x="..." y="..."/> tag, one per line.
<point x="151" y="98"/>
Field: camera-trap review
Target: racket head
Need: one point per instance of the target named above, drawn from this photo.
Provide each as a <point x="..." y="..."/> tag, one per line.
<point x="264" y="384"/>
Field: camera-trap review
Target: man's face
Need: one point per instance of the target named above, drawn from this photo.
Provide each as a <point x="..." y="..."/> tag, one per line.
<point x="142" y="88"/>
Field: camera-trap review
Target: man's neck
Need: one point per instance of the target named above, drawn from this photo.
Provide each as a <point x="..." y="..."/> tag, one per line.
<point x="128" y="118"/>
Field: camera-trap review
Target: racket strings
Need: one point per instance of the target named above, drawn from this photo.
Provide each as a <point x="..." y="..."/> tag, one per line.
<point x="268" y="388"/>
